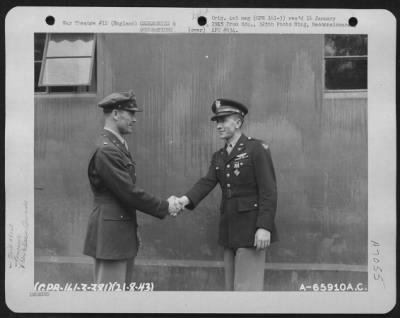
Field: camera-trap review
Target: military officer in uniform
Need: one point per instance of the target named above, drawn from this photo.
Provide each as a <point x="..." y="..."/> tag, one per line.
<point x="245" y="172"/>
<point x="112" y="236"/>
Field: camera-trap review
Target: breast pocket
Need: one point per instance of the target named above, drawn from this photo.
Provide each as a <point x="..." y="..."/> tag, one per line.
<point x="243" y="163"/>
<point x="130" y="166"/>
<point x="219" y="170"/>
<point x="243" y="171"/>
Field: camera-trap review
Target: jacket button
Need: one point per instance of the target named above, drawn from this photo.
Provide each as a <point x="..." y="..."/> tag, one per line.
<point x="228" y="185"/>
<point x="228" y="175"/>
<point x="255" y="204"/>
<point x="121" y="216"/>
<point x="228" y="166"/>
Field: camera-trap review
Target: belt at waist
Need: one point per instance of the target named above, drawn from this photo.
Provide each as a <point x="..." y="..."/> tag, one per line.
<point x="232" y="193"/>
<point x="104" y="199"/>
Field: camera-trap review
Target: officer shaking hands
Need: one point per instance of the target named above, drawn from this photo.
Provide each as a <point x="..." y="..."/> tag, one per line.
<point x="112" y="237"/>
<point x="245" y="173"/>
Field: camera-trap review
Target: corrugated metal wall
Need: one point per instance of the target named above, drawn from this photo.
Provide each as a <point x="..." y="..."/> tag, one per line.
<point x="319" y="146"/>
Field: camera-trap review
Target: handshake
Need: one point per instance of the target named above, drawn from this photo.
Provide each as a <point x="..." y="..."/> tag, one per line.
<point x="177" y="205"/>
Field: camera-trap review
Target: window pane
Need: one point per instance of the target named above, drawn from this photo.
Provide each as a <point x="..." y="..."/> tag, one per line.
<point x="67" y="71"/>
<point x="37" y="73"/>
<point x="346" y="73"/>
<point x="63" y="45"/>
<point x="346" y="45"/>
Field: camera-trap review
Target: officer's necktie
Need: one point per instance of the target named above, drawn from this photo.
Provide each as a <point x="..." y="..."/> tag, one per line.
<point x="126" y="145"/>
<point x="228" y="148"/>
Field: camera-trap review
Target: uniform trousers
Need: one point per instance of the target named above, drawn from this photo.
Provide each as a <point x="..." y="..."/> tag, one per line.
<point x="244" y="269"/>
<point x="113" y="271"/>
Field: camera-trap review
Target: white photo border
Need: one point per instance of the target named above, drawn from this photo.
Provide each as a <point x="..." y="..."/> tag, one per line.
<point x="379" y="25"/>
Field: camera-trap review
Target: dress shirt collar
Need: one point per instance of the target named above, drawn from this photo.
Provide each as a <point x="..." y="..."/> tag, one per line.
<point x="234" y="141"/>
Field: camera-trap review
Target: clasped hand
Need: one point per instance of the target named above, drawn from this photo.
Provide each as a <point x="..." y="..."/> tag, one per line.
<point x="177" y="205"/>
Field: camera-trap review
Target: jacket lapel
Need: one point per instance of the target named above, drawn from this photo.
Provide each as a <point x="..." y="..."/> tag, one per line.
<point x="222" y="154"/>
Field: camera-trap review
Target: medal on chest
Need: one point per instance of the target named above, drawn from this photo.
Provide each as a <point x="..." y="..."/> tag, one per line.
<point x="236" y="165"/>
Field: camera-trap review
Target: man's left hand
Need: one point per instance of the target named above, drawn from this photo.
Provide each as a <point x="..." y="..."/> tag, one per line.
<point x="262" y="238"/>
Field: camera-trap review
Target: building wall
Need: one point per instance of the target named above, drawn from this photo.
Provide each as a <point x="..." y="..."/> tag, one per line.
<point x="319" y="148"/>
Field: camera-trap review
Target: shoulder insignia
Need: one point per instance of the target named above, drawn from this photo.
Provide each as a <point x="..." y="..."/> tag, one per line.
<point x="265" y="146"/>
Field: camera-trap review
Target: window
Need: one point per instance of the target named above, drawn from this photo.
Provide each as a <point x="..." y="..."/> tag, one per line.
<point x="65" y="62"/>
<point x="346" y="62"/>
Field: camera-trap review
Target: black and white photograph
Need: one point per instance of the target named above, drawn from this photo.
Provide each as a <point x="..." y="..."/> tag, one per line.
<point x="237" y="163"/>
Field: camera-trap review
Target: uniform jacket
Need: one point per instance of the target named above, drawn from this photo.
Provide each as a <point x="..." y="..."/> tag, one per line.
<point x="249" y="195"/>
<point x="112" y="228"/>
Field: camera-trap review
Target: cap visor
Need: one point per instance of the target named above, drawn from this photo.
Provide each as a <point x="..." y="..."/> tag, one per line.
<point x="224" y="114"/>
<point x="134" y="110"/>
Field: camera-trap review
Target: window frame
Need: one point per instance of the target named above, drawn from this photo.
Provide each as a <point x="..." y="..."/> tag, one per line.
<point x="39" y="89"/>
<point x="342" y="93"/>
<point x="79" y="89"/>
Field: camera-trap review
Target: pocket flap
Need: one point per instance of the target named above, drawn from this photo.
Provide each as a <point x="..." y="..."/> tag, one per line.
<point x="247" y="204"/>
<point x="244" y="162"/>
<point x="116" y="212"/>
<point x="117" y="217"/>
